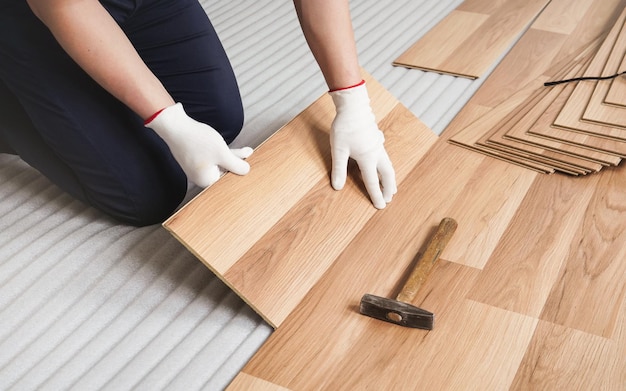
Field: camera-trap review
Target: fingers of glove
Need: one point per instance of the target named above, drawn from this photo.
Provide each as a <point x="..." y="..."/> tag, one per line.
<point x="369" y="173"/>
<point x="387" y="177"/>
<point x="339" y="169"/>
<point x="233" y="163"/>
<point x="242" y="153"/>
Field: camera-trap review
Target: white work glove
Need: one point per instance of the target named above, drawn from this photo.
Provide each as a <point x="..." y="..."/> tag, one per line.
<point x="355" y="134"/>
<point x="199" y="149"/>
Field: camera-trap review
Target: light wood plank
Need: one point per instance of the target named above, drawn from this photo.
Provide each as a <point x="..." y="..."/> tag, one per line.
<point x="466" y="43"/>
<point x="617" y="91"/>
<point x="562" y="17"/>
<point x="303" y="145"/>
<point x="573" y="111"/>
<point x="244" y="382"/>
<point x="512" y="134"/>
<point x="299" y="248"/>
<point x="595" y="262"/>
<point x="300" y="222"/>
<point x="592" y="142"/>
<point x="519" y="276"/>
<point x="525" y="116"/>
<point x="596" y="110"/>
<point x="564" y="359"/>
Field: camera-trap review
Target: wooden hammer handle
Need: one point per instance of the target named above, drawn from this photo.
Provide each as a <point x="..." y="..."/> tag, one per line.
<point x="424" y="265"/>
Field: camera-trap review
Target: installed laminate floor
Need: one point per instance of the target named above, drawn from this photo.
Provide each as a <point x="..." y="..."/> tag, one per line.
<point x="529" y="294"/>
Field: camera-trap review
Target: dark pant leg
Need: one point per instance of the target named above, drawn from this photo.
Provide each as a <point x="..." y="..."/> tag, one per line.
<point x="76" y="134"/>
<point x="178" y="43"/>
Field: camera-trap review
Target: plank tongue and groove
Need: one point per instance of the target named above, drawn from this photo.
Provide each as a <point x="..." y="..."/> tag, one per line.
<point x="280" y="227"/>
<point x="472" y="37"/>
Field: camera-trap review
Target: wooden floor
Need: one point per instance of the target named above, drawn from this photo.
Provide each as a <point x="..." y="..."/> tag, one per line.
<point x="530" y="293"/>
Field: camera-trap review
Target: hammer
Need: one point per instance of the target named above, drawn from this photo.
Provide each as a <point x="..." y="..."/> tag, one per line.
<point x="399" y="311"/>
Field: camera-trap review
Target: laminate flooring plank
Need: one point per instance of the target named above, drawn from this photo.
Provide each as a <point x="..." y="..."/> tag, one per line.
<point x="283" y="265"/>
<point x="467" y="43"/>
<point x="593" y="141"/>
<point x="265" y="194"/>
<point x="512" y="134"/>
<point x="282" y="231"/>
<point x="560" y="358"/>
<point x="519" y="277"/>
<point x="521" y="119"/>
<point x="562" y="17"/>
<point x="616" y="94"/>
<point x="596" y="110"/>
<point x="571" y="115"/>
<point x="596" y="262"/>
<point x="470" y="136"/>
<point x="505" y="72"/>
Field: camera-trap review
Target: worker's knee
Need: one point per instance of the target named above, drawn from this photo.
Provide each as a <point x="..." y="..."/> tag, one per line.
<point x="142" y="203"/>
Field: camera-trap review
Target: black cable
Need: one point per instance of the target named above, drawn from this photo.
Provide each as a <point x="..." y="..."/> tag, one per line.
<point x="553" y="83"/>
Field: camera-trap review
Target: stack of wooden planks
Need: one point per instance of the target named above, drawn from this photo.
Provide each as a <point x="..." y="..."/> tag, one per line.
<point x="575" y="128"/>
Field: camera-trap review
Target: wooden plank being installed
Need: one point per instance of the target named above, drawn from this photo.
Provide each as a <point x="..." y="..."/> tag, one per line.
<point x="279" y="228"/>
<point x="472" y="37"/>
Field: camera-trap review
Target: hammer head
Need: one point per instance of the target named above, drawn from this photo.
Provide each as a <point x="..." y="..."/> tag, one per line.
<point x="396" y="312"/>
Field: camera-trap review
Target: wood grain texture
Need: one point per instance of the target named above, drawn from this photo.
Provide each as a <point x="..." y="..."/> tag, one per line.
<point x="272" y="263"/>
<point x="616" y="95"/>
<point x="571" y="115"/>
<point x="513" y="134"/>
<point x="472" y="37"/>
<point x="597" y="110"/>
<point x="527" y="131"/>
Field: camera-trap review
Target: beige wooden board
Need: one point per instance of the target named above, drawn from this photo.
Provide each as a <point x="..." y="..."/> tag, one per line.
<point x="511" y="135"/>
<point x="287" y="195"/>
<point x="570" y="116"/>
<point x="472" y="37"/>
<point x="597" y="110"/>
<point x="616" y="94"/>
<point x="542" y="135"/>
<point x="526" y="115"/>
<point x="475" y="135"/>
<point x="607" y="150"/>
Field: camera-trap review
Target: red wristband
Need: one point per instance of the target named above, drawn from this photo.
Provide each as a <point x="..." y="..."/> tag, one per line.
<point x="153" y="116"/>
<point x="347" y="88"/>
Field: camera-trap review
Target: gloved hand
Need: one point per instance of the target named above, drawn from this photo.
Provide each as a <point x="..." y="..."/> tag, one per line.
<point x="355" y="134"/>
<point x="199" y="149"/>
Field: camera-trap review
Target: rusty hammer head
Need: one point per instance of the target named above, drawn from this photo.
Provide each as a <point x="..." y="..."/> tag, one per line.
<point x="397" y="312"/>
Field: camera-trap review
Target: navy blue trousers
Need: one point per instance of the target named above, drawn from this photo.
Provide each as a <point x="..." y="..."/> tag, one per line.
<point x="58" y="120"/>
